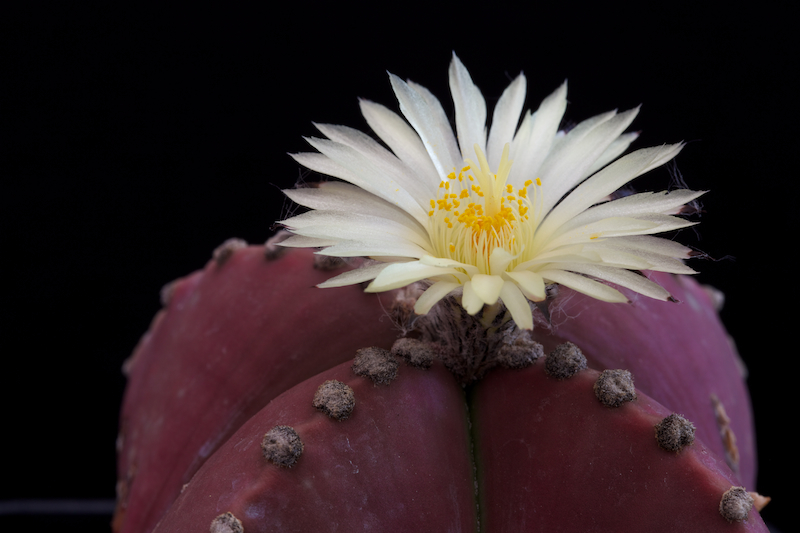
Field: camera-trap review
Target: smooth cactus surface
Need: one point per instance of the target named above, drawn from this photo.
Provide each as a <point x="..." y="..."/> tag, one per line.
<point x="231" y="338"/>
<point x="245" y="345"/>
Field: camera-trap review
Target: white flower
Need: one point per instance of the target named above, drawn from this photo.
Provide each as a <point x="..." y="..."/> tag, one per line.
<point x="494" y="217"/>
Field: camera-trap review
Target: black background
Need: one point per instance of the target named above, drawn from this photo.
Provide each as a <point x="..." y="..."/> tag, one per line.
<point x="136" y="140"/>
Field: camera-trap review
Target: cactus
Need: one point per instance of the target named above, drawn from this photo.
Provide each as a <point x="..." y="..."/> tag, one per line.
<point x="248" y="345"/>
<point x="258" y="403"/>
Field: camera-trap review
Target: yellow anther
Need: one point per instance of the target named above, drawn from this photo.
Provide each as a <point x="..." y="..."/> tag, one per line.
<point x="465" y="168"/>
<point x="452" y="247"/>
<point x="433" y="203"/>
<point x="528" y="183"/>
<point x="509" y="188"/>
<point x="538" y="182"/>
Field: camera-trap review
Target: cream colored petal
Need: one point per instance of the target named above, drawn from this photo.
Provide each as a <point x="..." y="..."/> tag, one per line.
<point x="448" y="263"/>
<point x="426" y="115"/>
<point x="402" y="140"/>
<point x="648" y="244"/>
<point x="505" y="119"/>
<point x="535" y="137"/>
<point x="301" y="241"/>
<point x="470" y="301"/>
<point x="433" y="295"/>
<point x="584" y="285"/>
<point x="388" y="164"/>
<point x="608" y="227"/>
<point x="499" y="261"/>
<point x="570" y="162"/>
<point x="351" y="226"/>
<point x="602" y="184"/>
<point x="398" y="275"/>
<point x="517" y="305"/>
<point x="614" y="150"/>
<point x="375" y="248"/>
<point x="487" y="288"/>
<point x="352" y="277"/>
<point x="630" y="206"/>
<point x="347" y="198"/>
<point x="531" y="283"/>
<point x="470" y="110"/>
<point x="623" y="278"/>
<point x="371" y="176"/>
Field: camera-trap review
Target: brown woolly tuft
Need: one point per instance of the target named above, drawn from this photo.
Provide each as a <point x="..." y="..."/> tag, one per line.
<point x="225" y="251"/>
<point x="674" y="433"/>
<point x="282" y="446"/>
<point x="614" y="387"/>
<point x="565" y="361"/>
<point x="377" y="364"/>
<point x="416" y="353"/>
<point x="335" y="399"/>
<point x="226" y="523"/>
<point x="735" y="504"/>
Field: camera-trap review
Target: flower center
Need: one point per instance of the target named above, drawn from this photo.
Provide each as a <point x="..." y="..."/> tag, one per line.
<point x="477" y="211"/>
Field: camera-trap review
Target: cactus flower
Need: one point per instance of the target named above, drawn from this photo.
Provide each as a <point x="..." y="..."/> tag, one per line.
<point x="489" y="218"/>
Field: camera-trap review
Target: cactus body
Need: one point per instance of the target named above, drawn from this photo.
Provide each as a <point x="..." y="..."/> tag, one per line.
<point x="243" y="346"/>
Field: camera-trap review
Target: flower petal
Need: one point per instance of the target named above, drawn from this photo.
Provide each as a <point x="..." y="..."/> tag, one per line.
<point x="425" y="114"/>
<point x="403" y="141"/>
<point x="487" y="287"/>
<point x="499" y="261"/>
<point x="374" y="248"/>
<point x="614" y="150"/>
<point x="448" y="263"/>
<point x="347" y="198"/>
<point x="636" y="204"/>
<point x="371" y="176"/>
<point x="351" y="277"/>
<point x="352" y="226"/>
<point x="517" y="305"/>
<point x="623" y="278"/>
<point x="604" y="183"/>
<point x="470" y="110"/>
<point x="470" y="300"/>
<point x="433" y="295"/>
<point x="505" y="119"/>
<point x="535" y="137"/>
<point x="531" y="283"/>
<point x="584" y="285"/>
<point x="569" y="162"/>
<point x="386" y="162"/>
<point x="301" y="241"/>
<point x="398" y="275"/>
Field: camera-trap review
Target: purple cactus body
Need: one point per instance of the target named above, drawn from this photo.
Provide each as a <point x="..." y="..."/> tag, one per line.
<point x="231" y="339"/>
<point x="401" y="462"/>
<point x="679" y="354"/>
<point x="243" y="346"/>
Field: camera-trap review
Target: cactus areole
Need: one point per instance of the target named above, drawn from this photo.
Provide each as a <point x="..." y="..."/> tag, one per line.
<point x="534" y="358"/>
